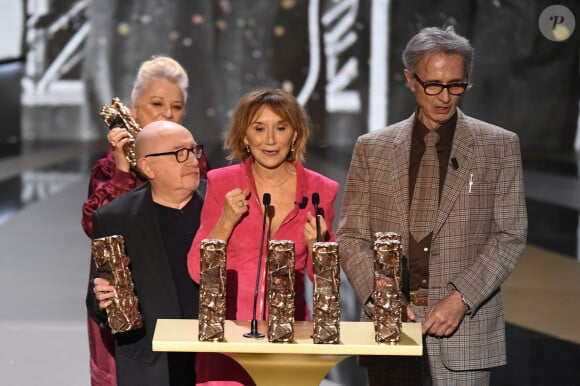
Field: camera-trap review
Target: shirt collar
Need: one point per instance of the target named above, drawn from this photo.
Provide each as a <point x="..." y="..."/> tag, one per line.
<point x="445" y="131"/>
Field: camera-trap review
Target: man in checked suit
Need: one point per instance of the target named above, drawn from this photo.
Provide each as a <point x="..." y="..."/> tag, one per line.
<point x="479" y="230"/>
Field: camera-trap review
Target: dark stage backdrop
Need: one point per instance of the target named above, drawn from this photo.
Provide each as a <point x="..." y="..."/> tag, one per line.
<point x="342" y="58"/>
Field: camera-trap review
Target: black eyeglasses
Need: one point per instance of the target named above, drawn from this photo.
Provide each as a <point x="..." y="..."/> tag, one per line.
<point x="435" y="88"/>
<point x="181" y="155"/>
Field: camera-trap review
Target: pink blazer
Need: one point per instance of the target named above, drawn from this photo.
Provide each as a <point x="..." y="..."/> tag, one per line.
<point x="244" y="243"/>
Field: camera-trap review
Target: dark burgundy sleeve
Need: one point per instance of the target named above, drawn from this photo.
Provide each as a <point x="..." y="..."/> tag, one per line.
<point x="106" y="183"/>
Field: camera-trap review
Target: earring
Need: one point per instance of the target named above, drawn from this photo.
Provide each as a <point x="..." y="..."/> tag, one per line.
<point x="292" y="149"/>
<point x="248" y="149"/>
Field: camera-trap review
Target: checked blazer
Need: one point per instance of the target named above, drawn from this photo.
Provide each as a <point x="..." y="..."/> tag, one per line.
<point x="480" y="228"/>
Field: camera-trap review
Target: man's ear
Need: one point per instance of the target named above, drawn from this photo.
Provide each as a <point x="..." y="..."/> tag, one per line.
<point x="145" y="168"/>
<point x="410" y="79"/>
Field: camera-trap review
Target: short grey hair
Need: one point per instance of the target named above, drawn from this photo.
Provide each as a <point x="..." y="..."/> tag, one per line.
<point x="433" y="40"/>
<point x="159" y="67"/>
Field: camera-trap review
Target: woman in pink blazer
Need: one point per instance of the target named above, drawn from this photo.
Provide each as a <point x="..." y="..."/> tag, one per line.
<point x="267" y="135"/>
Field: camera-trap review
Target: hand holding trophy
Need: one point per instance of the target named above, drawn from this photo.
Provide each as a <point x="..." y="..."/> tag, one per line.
<point x="117" y="115"/>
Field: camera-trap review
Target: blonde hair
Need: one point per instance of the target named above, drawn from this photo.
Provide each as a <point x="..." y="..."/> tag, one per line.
<point x="283" y="104"/>
<point x="159" y="67"/>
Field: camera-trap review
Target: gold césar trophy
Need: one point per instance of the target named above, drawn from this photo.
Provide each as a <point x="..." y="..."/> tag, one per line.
<point x="112" y="264"/>
<point x="326" y="294"/>
<point x="212" y="290"/>
<point x="118" y="115"/>
<point x="387" y="290"/>
<point x="281" y="277"/>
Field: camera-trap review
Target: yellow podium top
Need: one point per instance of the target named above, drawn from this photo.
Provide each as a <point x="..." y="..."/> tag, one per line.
<point x="356" y="338"/>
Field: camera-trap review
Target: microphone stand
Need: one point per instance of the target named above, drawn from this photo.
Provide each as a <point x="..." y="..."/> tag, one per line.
<point x="254" y="324"/>
<point x="315" y="202"/>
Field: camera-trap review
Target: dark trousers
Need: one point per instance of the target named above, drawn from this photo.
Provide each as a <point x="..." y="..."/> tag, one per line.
<point x="397" y="370"/>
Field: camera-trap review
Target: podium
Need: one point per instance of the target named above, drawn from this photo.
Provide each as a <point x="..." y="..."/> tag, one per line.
<point x="300" y="362"/>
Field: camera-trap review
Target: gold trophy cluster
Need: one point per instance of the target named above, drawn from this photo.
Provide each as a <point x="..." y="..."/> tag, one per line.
<point x="123" y="314"/>
<point x="387" y="293"/>
<point x="280" y="291"/>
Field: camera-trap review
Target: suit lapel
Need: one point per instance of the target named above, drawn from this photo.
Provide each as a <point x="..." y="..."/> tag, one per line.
<point x="457" y="179"/>
<point x="401" y="169"/>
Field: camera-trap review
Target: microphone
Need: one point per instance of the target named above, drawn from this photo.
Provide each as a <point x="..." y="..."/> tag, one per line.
<point x="315" y="202"/>
<point x="254" y="324"/>
<point x="454" y="163"/>
<point x="302" y="204"/>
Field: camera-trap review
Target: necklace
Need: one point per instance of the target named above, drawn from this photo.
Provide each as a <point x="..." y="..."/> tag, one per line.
<point x="259" y="179"/>
<point x="274" y="186"/>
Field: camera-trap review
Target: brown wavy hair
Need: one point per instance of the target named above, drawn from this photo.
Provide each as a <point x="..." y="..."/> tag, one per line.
<point x="283" y="104"/>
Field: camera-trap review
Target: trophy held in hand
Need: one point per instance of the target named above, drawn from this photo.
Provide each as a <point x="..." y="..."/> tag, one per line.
<point x="118" y="115"/>
<point x="112" y="264"/>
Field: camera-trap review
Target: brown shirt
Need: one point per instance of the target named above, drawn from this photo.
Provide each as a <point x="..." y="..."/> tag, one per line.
<point x="419" y="252"/>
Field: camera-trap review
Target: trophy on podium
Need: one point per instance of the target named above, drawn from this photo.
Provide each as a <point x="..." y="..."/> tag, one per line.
<point x="326" y="294"/>
<point x="212" y="290"/>
<point x="281" y="290"/>
<point x="387" y="287"/>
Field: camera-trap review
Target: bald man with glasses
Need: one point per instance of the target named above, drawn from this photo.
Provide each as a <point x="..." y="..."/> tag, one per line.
<point x="158" y="221"/>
